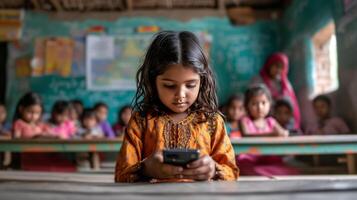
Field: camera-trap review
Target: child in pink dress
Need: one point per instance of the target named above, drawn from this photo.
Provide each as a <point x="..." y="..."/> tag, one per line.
<point x="27" y="120"/>
<point x="257" y="123"/>
<point x="62" y="126"/>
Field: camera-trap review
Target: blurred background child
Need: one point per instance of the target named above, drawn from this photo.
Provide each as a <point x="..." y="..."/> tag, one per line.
<point x="62" y="126"/>
<point x="101" y="110"/>
<point x="257" y="102"/>
<point x="89" y="125"/>
<point x="326" y="124"/>
<point x="124" y="116"/>
<point x="27" y="119"/>
<point x="234" y="112"/>
<point x="283" y="113"/>
<point x="5" y="129"/>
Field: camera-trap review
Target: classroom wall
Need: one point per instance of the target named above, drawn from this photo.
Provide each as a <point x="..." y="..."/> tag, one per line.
<point x="300" y="22"/>
<point x="237" y="53"/>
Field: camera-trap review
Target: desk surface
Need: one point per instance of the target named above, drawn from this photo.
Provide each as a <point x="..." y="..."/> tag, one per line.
<point x="66" y="188"/>
<point x="328" y="144"/>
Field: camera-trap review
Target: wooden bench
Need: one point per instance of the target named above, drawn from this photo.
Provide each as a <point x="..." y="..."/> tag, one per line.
<point x="297" y="145"/>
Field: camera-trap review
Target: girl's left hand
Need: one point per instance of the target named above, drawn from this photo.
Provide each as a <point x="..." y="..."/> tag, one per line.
<point x="202" y="169"/>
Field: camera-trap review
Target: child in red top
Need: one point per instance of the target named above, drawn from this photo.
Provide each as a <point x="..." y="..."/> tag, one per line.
<point x="124" y="116"/>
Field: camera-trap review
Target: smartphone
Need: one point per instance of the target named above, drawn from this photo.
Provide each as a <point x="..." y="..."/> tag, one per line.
<point x="180" y="157"/>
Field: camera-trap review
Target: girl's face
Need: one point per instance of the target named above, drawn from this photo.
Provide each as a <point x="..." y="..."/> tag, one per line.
<point x="2" y="114"/>
<point x="259" y="106"/>
<point x="322" y="109"/>
<point x="178" y="87"/>
<point x="102" y="113"/>
<point x="73" y="115"/>
<point x="31" y="114"/>
<point x="126" y="115"/>
<point x="283" y="114"/>
<point x="236" y="110"/>
<point x="89" y="122"/>
<point x="275" y="70"/>
<point x="59" y="118"/>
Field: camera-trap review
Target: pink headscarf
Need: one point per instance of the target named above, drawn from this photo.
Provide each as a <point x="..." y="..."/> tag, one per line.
<point x="287" y="90"/>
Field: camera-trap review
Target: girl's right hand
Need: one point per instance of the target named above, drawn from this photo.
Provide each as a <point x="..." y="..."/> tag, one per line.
<point x="154" y="167"/>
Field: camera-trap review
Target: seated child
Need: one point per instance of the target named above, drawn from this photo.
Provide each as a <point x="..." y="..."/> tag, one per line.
<point x="5" y="132"/>
<point x="5" y="127"/>
<point x="101" y="110"/>
<point x="283" y="113"/>
<point x="326" y="124"/>
<point x="74" y="115"/>
<point x="235" y="111"/>
<point x="175" y="107"/>
<point x="78" y="106"/>
<point x="62" y="126"/>
<point x="257" y="101"/>
<point x="124" y="116"/>
<point x="90" y="128"/>
<point x="27" y="119"/>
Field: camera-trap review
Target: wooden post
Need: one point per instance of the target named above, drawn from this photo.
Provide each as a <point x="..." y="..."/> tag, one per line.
<point x="351" y="163"/>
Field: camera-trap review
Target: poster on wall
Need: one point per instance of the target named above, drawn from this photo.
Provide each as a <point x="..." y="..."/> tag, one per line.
<point x="112" y="61"/>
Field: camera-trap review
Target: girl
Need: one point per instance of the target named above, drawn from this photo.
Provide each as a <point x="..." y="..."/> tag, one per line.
<point x="4" y="126"/>
<point x="257" y="102"/>
<point x="176" y="107"/>
<point x="90" y="128"/>
<point x="257" y="123"/>
<point x="27" y="119"/>
<point x="62" y="126"/>
<point x="274" y="75"/>
<point x="235" y="111"/>
<point x="326" y="124"/>
<point x="101" y="110"/>
<point x="4" y="134"/>
<point x="124" y="116"/>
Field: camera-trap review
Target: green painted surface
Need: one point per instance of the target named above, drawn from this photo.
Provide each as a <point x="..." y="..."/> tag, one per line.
<point x="239" y="148"/>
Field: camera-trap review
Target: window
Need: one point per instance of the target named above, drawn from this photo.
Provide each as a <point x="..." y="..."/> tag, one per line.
<point x="325" y="60"/>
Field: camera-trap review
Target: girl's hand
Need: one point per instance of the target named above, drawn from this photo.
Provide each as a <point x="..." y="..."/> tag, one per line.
<point x="154" y="167"/>
<point x="201" y="169"/>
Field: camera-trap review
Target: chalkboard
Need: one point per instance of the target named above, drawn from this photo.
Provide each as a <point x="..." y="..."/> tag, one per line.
<point x="237" y="54"/>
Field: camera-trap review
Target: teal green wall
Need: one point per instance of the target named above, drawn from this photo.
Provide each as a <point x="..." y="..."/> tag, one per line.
<point x="237" y="53"/>
<point x="300" y="22"/>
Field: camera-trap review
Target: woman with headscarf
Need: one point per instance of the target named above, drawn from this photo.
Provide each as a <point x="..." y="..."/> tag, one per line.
<point x="274" y="75"/>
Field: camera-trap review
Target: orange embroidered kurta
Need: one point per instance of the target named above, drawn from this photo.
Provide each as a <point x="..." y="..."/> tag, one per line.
<point x="146" y="135"/>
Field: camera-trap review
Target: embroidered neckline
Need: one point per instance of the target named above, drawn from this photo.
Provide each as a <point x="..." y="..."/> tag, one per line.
<point x="177" y="134"/>
<point x="184" y="121"/>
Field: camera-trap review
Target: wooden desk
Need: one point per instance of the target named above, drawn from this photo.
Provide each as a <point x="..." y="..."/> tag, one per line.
<point x="33" y="186"/>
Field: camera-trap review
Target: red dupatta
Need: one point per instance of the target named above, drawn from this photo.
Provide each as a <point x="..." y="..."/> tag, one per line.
<point x="286" y="89"/>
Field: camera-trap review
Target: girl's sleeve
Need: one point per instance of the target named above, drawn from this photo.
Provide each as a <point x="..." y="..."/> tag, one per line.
<point x="222" y="152"/>
<point x="128" y="165"/>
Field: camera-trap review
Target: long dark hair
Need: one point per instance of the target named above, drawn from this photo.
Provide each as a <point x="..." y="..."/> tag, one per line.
<point x="167" y="48"/>
<point x="29" y="99"/>
<point x="121" y="111"/>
